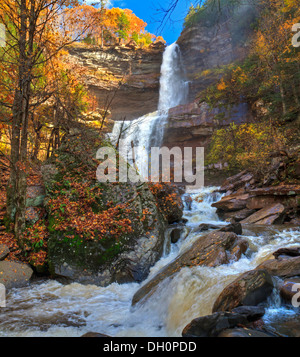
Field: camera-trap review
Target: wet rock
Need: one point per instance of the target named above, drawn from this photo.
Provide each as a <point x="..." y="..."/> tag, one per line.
<point x="238" y="215"/>
<point x="230" y="203"/>
<point x="213" y="325"/>
<point x="253" y="313"/>
<point x="282" y="267"/>
<point x="251" y="288"/>
<point x="233" y="227"/>
<point x="286" y="289"/>
<point x="212" y="249"/>
<point x="288" y="252"/>
<point x="176" y="234"/>
<point x="14" y="274"/>
<point x="243" y="332"/>
<point x="94" y="334"/>
<point x="237" y="251"/>
<point x="295" y="221"/>
<point x="287" y="327"/>
<point x="205" y="227"/>
<point x="268" y="215"/>
<point x="4" y="251"/>
<point x="235" y="182"/>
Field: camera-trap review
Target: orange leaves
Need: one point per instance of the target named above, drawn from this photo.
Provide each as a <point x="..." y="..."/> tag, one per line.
<point x="78" y="211"/>
<point x="100" y="26"/>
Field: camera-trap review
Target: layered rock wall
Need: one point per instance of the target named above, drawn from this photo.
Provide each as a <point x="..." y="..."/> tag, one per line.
<point x="124" y="78"/>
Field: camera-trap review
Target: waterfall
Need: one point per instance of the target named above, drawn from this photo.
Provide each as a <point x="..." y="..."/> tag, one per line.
<point x="148" y="130"/>
<point x="173" y="86"/>
<point x="51" y="308"/>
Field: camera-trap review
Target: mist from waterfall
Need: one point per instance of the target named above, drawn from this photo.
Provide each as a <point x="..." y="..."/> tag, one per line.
<point x="148" y="130"/>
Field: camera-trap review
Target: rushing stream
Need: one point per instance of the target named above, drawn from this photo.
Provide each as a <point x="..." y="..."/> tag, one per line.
<point x="51" y="308"/>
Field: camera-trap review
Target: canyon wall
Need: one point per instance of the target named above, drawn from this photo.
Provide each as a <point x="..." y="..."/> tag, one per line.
<point x="204" y="49"/>
<point x="123" y="78"/>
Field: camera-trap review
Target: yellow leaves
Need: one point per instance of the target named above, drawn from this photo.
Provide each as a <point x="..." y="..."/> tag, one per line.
<point x="246" y="145"/>
<point x="221" y="85"/>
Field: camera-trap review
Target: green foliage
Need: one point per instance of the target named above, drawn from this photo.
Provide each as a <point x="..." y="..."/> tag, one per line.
<point x="245" y="146"/>
<point x="210" y="12"/>
<point x="123" y="24"/>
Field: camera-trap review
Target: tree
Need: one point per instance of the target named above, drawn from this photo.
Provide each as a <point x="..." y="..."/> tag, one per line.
<point x="36" y="33"/>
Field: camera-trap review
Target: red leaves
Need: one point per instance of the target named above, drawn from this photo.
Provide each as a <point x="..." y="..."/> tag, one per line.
<point x="74" y="211"/>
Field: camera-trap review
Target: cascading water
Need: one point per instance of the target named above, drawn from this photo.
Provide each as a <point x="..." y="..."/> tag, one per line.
<point x="50" y="308"/>
<point x="147" y="131"/>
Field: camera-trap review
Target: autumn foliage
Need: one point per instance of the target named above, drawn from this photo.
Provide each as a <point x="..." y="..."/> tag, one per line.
<point x="268" y="81"/>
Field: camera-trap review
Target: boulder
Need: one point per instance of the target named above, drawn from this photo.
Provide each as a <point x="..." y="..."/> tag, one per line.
<point x="4" y="251"/>
<point x="169" y="201"/>
<point x="244" y="332"/>
<point x="287" y="252"/>
<point x="14" y="274"/>
<point x="286" y="289"/>
<point x="235" y="182"/>
<point x="282" y="267"/>
<point x="233" y="227"/>
<point x="213" y="325"/>
<point x="35" y="196"/>
<point x="237" y="216"/>
<point x="251" y="288"/>
<point x="175" y="235"/>
<point x="103" y="262"/>
<point x="94" y="334"/>
<point x="268" y="215"/>
<point x="235" y="202"/>
<point x="205" y="227"/>
<point x="213" y="249"/>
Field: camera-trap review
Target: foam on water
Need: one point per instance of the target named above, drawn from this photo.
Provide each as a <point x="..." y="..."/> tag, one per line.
<point x="53" y="309"/>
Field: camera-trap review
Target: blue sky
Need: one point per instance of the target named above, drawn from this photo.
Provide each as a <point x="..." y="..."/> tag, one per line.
<point x="150" y="12"/>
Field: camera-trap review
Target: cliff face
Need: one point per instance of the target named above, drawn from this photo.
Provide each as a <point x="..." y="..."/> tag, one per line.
<point x="207" y="47"/>
<point x="125" y="78"/>
<point x="193" y="124"/>
<point x="204" y="49"/>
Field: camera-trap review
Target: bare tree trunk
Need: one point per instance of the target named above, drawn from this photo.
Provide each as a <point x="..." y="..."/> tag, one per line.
<point x="284" y="110"/>
<point x="16" y="193"/>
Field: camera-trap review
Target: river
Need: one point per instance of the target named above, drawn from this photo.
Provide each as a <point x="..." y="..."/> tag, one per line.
<point x="51" y="308"/>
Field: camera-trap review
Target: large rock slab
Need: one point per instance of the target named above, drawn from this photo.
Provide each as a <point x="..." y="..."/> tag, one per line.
<point x="282" y="267"/>
<point x="268" y="215"/>
<point x="235" y="182"/>
<point x="14" y="274"/>
<point x="231" y="203"/>
<point x="237" y="216"/>
<point x="287" y="290"/>
<point x="244" y="332"/>
<point x="213" y="249"/>
<point x="213" y="325"/>
<point x="251" y="288"/>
